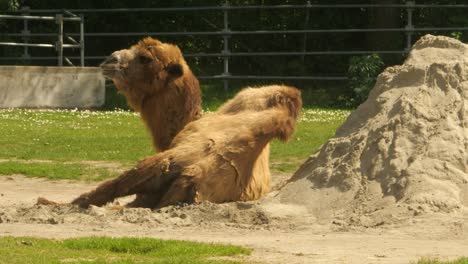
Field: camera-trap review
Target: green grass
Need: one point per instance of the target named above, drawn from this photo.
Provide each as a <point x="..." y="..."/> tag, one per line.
<point x="462" y="260"/>
<point x="56" y="170"/>
<point x="66" y="138"/>
<point x="113" y="250"/>
<point x="63" y="135"/>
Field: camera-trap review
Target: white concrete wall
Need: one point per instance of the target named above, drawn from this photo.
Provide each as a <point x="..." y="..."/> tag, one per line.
<point x="61" y="87"/>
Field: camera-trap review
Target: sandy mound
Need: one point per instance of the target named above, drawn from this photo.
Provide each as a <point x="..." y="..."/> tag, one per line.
<point x="405" y="150"/>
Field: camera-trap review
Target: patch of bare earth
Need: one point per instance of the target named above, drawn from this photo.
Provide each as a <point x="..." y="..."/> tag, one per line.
<point x="277" y="233"/>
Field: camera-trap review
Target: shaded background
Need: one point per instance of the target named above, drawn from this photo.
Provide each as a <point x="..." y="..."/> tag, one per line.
<point x="326" y="92"/>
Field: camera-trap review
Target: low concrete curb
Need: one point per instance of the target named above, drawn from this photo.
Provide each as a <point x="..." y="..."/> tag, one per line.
<point x="51" y="87"/>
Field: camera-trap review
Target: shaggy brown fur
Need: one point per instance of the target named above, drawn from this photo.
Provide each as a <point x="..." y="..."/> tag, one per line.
<point x="157" y="82"/>
<point x="254" y="99"/>
<point x="211" y="159"/>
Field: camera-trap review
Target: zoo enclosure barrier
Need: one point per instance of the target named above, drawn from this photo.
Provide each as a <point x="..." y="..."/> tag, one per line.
<point x="59" y="45"/>
<point x="225" y="54"/>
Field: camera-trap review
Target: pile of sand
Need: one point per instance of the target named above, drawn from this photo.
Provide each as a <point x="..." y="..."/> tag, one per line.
<point x="404" y="149"/>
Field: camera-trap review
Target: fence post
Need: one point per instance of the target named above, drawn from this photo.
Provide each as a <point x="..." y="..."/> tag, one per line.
<point x="59" y="43"/>
<point x="82" y="43"/>
<point x="306" y="24"/>
<point x="409" y="23"/>
<point x="226" y="51"/>
<point x="25" y="32"/>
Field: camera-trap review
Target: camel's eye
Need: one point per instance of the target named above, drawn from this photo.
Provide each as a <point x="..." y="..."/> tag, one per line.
<point x="144" y="59"/>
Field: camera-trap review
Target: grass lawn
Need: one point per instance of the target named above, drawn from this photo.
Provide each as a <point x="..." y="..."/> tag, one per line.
<point x="80" y="145"/>
<point x="114" y="250"/>
<point x="462" y="260"/>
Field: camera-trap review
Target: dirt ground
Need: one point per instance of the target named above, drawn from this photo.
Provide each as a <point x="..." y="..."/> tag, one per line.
<point x="287" y="236"/>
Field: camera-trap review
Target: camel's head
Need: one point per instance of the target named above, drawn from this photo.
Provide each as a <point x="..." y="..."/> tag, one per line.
<point x="147" y="66"/>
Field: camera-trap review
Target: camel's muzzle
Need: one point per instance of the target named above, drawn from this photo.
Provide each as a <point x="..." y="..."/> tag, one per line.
<point x="110" y="67"/>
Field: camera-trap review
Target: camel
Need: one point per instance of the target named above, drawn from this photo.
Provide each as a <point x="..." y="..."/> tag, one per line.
<point x="211" y="159"/>
<point x="156" y="82"/>
<point x="167" y="106"/>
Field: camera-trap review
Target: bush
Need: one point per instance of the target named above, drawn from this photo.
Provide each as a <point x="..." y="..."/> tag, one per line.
<point x="362" y="73"/>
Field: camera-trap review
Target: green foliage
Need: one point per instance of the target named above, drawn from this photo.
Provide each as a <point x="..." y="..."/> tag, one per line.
<point x="456" y="35"/>
<point x="362" y="73"/>
<point x="113" y="250"/>
<point x="441" y="17"/>
<point x="113" y="99"/>
<point x="9" y="4"/>
<point x="214" y="95"/>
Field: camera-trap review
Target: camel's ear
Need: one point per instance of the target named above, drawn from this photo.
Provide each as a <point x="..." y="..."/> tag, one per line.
<point x="175" y="70"/>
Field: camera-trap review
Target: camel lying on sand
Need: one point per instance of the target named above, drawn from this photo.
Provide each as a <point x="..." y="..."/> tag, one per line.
<point x="211" y="159"/>
<point x="158" y="83"/>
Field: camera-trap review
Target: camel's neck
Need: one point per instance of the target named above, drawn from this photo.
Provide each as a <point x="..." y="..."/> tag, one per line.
<point x="134" y="99"/>
<point x="165" y="115"/>
<point x="167" y="110"/>
<point x="155" y="122"/>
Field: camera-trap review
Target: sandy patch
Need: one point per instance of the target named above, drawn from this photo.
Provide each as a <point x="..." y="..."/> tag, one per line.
<point x="277" y="233"/>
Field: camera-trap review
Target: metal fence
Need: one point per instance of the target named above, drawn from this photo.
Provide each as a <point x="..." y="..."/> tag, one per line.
<point x="59" y="45"/>
<point x="226" y="54"/>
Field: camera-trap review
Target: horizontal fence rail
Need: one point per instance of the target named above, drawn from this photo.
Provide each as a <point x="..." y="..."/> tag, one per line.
<point x="38" y="45"/>
<point x="48" y="18"/>
<point x="253" y="32"/>
<point x="58" y="45"/>
<point x="250" y="7"/>
<point x="225" y="33"/>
